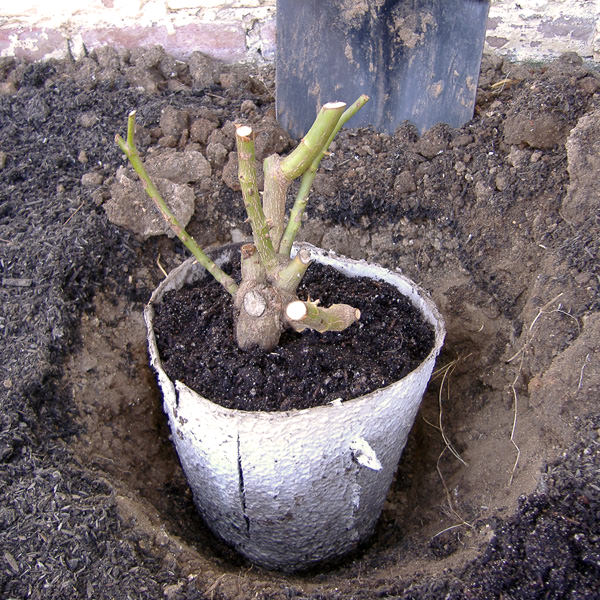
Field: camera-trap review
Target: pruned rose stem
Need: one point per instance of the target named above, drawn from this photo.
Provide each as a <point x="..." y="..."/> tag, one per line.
<point x="337" y="317"/>
<point x="274" y="195"/>
<point x="244" y="137"/>
<point x="295" y="220"/>
<point x="289" y="277"/>
<point x="280" y="172"/>
<point x="313" y="142"/>
<point x="265" y="302"/>
<point x="130" y="150"/>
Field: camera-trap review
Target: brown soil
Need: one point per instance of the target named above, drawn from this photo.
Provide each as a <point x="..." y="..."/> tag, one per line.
<point x="496" y="494"/>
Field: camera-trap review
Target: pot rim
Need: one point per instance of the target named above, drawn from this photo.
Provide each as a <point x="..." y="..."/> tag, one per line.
<point x="426" y="307"/>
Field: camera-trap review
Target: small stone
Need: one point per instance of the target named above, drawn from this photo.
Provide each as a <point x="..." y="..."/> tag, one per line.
<point x="201" y="129"/>
<point x="518" y="158"/>
<point x="234" y="77"/>
<point x="7" y="88"/>
<point x="582" y="278"/>
<point x="149" y="80"/>
<point x="107" y="57"/>
<point x="460" y="167"/>
<point x="404" y="183"/>
<point x="3" y="157"/>
<point x="230" y="173"/>
<point x="270" y="139"/>
<point x="482" y="191"/>
<point x="17" y="282"/>
<point x="535" y="156"/>
<point x="210" y="114"/>
<point x="129" y="206"/>
<point x="173" y="121"/>
<point x="202" y="70"/>
<point x="590" y="85"/>
<point x="174" y="85"/>
<point x="205" y="184"/>
<point x="229" y="128"/>
<point x="218" y="136"/>
<point x="93" y="179"/>
<point x="238" y="236"/>
<point x="434" y="141"/>
<point x="82" y="157"/>
<point x="542" y="131"/>
<point x="170" y="67"/>
<point x="462" y="140"/>
<point x="168" y="141"/>
<point x="147" y="56"/>
<point x="502" y="182"/>
<point x="87" y="119"/>
<point x="248" y="107"/>
<point x="178" y="167"/>
<point x="216" y="154"/>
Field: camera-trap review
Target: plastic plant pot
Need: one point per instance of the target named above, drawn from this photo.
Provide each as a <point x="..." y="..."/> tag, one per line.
<point x="290" y="489"/>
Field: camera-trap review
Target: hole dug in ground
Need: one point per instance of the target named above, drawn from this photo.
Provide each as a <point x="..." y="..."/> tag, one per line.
<point x="497" y="219"/>
<point x="477" y="445"/>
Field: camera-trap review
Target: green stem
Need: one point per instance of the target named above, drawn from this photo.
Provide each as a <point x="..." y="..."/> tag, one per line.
<point x="274" y="196"/>
<point x="252" y="269"/>
<point x="312" y="143"/>
<point x="290" y="276"/>
<point x="295" y="220"/>
<point x="247" y="177"/>
<point x="130" y="150"/>
<point x="309" y="315"/>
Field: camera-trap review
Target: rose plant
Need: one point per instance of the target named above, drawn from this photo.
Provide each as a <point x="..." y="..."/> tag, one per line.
<point x="265" y="300"/>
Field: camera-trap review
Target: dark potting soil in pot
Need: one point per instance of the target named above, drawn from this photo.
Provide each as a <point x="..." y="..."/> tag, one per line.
<point x="194" y="332"/>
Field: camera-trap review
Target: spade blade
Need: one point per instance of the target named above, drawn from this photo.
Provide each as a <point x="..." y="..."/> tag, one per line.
<point x="418" y="60"/>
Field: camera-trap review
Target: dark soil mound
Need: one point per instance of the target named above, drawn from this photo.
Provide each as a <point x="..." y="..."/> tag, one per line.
<point x="497" y="492"/>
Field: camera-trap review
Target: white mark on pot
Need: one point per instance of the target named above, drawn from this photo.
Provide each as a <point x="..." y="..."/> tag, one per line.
<point x="364" y="455"/>
<point x="242" y="490"/>
<point x="356" y="497"/>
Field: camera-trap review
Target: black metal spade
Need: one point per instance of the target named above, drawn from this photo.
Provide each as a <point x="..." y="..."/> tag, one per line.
<point x="418" y="60"/>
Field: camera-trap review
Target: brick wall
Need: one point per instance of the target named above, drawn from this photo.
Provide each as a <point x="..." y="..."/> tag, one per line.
<point x="234" y="30"/>
<point x="541" y="29"/>
<point x="231" y="30"/>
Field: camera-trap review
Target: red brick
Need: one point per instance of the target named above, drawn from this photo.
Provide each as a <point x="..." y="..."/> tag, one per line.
<point x="124" y="37"/>
<point x="32" y="43"/>
<point x="225" y="41"/>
